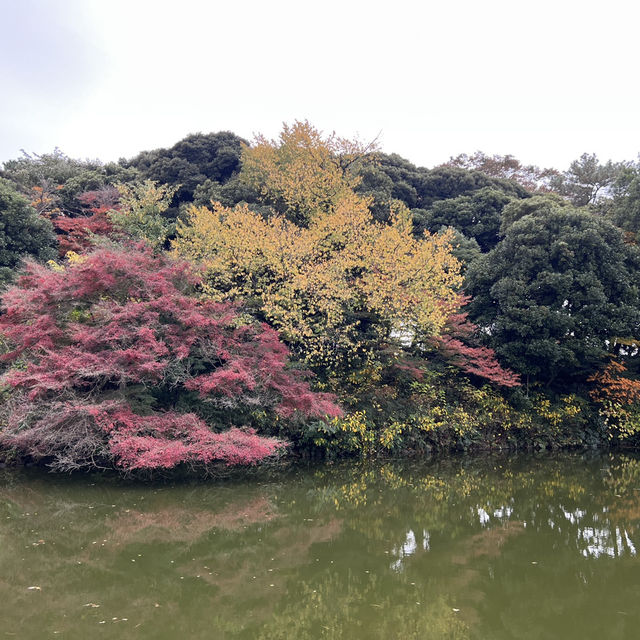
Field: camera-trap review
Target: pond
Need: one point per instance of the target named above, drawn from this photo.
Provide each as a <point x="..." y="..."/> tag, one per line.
<point x="469" y="547"/>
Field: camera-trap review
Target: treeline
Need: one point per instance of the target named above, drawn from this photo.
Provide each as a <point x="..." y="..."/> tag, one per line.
<point x="222" y="302"/>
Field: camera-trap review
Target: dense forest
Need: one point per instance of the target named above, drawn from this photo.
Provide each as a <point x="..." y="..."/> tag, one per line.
<point x="226" y="302"/>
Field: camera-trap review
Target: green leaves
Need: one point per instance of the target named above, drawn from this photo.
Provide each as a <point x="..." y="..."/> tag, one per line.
<point x="23" y="233"/>
<point x="555" y="290"/>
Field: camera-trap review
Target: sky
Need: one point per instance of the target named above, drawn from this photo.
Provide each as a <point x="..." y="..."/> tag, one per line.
<point x="545" y="81"/>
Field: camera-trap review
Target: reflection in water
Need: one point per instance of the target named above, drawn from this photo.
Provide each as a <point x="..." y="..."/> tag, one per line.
<point x="408" y="548"/>
<point x="495" y="548"/>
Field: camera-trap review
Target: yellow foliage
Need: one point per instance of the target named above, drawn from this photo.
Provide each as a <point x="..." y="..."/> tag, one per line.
<point x="558" y="414"/>
<point x="317" y="283"/>
<point x="391" y="434"/>
<point x="303" y="172"/>
<point x="335" y="282"/>
<point x="72" y="259"/>
<point x="55" y="266"/>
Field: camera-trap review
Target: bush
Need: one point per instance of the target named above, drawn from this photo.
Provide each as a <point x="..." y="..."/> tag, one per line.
<point x="104" y="351"/>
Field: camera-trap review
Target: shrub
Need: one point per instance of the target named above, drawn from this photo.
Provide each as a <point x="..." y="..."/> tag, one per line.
<point x="104" y="352"/>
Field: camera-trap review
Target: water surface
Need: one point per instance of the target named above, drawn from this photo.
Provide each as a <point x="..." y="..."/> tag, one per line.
<point x="486" y="547"/>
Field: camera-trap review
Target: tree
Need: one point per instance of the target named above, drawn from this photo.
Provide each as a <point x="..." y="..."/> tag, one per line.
<point x="555" y="293"/>
<point x="539" y="205"/>
<point x="385" y="178"/>
<point x="338" y="284"/>
<point x="339" y="288"/>
<point x="388" y="177"/>
<point x="466" y="250"/>
<point x="107" y="353"/>
<point x="53" y="181"/>
<point x="477" y="216"/>
<point x="191" y="161"/>
<point x="442" y="183"/>
<point x="625" y="208"/>
<point x="587" y="181"/>
<point x="140" y="211"/>
<point x="508" y="167"/>
<point x="77" y="234"/>
<point x="303" y="174"/>
<point x="460" y="344"/>
<point x="23" y="233"/>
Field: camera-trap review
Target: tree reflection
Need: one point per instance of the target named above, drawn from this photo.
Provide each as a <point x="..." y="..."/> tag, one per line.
<point x="500" y="547"/>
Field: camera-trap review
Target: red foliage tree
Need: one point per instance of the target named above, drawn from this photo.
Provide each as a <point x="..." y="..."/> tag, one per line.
<point x="106" y="352"/>
<point x="75" y="233"/>
<point x="459" y="346"/>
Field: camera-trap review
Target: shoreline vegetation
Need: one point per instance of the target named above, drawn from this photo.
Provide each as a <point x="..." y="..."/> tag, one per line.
<point x="222" y="304"/>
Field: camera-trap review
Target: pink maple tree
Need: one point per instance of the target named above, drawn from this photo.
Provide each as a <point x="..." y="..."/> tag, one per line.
<point x="104" y="357"/>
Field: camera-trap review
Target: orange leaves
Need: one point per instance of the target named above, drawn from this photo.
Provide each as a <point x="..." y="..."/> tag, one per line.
<point x="45" y="200"/>
<point x="612" y="386"/>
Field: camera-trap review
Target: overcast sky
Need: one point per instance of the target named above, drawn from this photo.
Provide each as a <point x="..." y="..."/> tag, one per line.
<point x="545" y="80"/>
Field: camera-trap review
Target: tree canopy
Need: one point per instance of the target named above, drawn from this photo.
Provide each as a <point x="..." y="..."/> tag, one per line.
<point x="191" y="161"/>
<point x="23" y="233"/>
<point x="556" y="293"/>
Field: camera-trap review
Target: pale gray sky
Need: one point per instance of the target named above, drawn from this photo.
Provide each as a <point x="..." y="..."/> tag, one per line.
<point x="545" y="80"/>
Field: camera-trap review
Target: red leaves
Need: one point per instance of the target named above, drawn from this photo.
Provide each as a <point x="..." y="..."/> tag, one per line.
<point x="120" y="324"/>
<point x="472" y="358"/>
<point x="478" y="361"/>
<point x="75" y="233"/>
<point x="169" y="439"/>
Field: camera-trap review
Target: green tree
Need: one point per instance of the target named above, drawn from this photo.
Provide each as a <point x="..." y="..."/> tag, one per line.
<point x="556" y="292"/>
<point x="140" y="212"/>
<point x="53" y="181"/>
<point x="23" y="233"/>
<point x="466" y="250"/>
<point x="192" y="161"/>
<point x="387" y="178"/>
<point x="625" y="209"/>
<point x="441" y="183"/>
<point x="587" y="180"/>
<point x="477" y="216"/>
<point x="536" y="205"/>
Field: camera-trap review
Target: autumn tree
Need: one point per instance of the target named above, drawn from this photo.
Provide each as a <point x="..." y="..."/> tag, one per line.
<point x="460" y="344"/>
<point x="336" y="289"/>
<point x="618" y="397"/>
<point x="338" y="284"/>
<point x="112" y="362"/>
<point x="302" y="174"/>
<point x="78" y="233"/>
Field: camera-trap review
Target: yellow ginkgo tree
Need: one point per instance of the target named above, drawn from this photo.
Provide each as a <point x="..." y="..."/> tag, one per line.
<point x="340" y="286"/>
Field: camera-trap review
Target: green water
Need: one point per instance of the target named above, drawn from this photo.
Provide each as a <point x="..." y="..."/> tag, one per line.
<point x="490" y="547"/>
